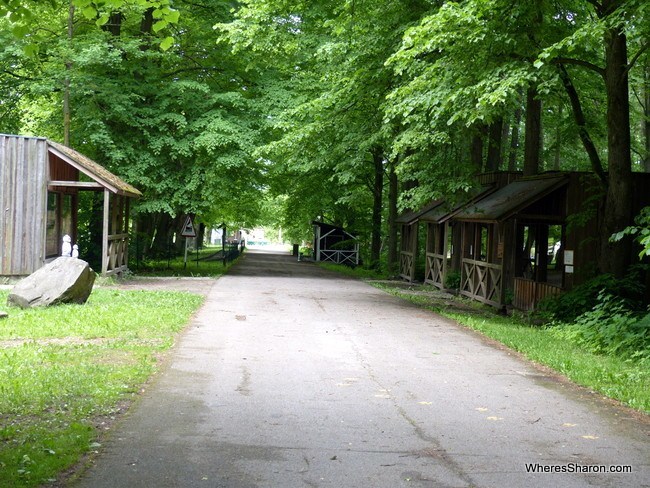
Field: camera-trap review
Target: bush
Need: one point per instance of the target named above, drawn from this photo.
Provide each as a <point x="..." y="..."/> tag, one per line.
<point x="567" y="307"/>
<point x="611" y="327"/>
<point x="452" y="281"/>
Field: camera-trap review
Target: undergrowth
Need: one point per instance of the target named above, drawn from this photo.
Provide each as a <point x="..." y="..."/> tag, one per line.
<point x="65" y="370"/>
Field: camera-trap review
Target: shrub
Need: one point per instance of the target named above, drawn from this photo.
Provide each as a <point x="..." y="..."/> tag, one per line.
<point x="611" y="327"/>
<point x="452" y="280"/>
<point x="567" y="307"/>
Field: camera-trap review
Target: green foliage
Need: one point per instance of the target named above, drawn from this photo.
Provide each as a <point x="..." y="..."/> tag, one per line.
<point x="452" y="281"/>
<point x="640" y="232"/>
<point x="583" y="298"/>
<point x="65" y="368"/>
<point x="611" y="327"/>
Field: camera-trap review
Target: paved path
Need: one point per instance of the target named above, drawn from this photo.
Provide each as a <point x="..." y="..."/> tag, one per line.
<point x="293" y="377"/>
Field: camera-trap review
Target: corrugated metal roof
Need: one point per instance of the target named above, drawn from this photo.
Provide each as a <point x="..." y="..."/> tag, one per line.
<point x="506" y="201"/>
<point x="409" y="218"/>
<point x="93" y="170"/>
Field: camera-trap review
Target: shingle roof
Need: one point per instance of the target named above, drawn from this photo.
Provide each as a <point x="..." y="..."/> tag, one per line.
<point x="93" y="170"/>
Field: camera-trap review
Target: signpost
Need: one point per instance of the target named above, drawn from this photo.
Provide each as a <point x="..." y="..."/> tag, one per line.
<point x="188" y="232"/>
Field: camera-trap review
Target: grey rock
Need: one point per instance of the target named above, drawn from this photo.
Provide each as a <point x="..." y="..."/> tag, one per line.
<point x="64" y="280"/>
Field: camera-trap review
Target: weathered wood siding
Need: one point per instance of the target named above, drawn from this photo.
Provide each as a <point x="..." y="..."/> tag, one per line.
<point x="23" y="200"/>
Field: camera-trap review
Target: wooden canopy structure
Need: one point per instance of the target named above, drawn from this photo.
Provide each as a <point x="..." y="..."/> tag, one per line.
<point x="39" y="191"/>
<point x="441" y="238"/>
<point x="409" y="224"/>
<point x="334" y="244"/>
<point x="516" y="240"/>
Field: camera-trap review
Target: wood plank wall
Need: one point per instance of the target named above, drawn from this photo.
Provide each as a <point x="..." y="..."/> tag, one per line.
<point x="23" y="203"/>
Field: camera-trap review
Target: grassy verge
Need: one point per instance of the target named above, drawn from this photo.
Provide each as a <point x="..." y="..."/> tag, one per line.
<point x="625" y="380"/>
<point x="66" y="371"/>
<point x="204" y="266"/>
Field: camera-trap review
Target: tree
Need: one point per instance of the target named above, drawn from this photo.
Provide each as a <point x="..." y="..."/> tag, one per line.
<point x="611" y="22"/>
<point x="180" y="125"/>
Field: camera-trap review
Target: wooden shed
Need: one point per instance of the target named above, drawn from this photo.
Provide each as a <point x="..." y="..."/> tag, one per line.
<point x="517" y="244"/>
<point x="39" y="189"/>
<point x="334" y="244"/>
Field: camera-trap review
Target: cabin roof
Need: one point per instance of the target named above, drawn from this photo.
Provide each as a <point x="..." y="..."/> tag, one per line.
<point x="329" y="228"/>
<point x="441" y="213"/>
<point x="93" y="170"/>
<point x="512" y="198"/>
<point x="409" y="218"/>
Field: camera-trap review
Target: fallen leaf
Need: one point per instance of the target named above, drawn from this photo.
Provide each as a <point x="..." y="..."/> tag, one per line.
<point x="568" y="425"/>
<point x="481" y="409"/>
<point x="590" y="437"/>
<point x="425" y="403"/>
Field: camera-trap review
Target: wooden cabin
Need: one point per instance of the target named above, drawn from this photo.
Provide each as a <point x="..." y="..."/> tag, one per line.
<point x="516" y="243"/>
<point x="334" y="244"/>
<point x="39" y="189"/>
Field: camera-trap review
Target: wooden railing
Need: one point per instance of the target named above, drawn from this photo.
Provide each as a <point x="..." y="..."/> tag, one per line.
<point x="529" y="293"/>
<point x="117" y="257"/>
<point x="407" y="265"/>
<point x="340" y="257"/>
<point x="434" y="270"/>
<point x="482" y="281"/>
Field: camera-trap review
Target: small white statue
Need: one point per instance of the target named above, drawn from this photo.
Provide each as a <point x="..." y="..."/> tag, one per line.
<point x="75" y="251"/>
<point x="66" y="249"/>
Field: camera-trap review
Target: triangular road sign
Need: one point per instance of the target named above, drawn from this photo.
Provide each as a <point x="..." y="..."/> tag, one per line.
<point x="188" y="228"/>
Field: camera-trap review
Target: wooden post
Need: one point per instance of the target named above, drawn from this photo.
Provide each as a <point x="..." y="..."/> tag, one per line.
<point x="107" y="203"/>
<point x="445" y="249"/>
<point x="127" y="209"/>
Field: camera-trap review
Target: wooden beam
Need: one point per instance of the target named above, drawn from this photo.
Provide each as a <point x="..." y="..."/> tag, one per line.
<point x="74" y="184"/>
<point x="107" y="196"/>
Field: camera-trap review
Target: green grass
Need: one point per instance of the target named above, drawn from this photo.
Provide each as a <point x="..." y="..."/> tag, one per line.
<point x="64" y="370"/>
<point x="356" y="272"/>
<point x="177" y="267"/>
<point x="619" y="378"/>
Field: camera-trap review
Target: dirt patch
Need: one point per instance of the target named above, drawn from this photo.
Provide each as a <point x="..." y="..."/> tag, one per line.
<point x="200" y="286"/>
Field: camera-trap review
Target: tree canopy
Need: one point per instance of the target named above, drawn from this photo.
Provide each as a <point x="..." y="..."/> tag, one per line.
<point x="294" y="110"/>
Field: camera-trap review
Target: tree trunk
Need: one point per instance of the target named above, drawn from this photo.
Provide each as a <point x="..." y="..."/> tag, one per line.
<point x="646" y="114"/>
<point x="616" y="257"/>
<point x="533" y="134"/>
<point x="581" y="122"/>
<point x="514" y="141"/>
<point x="392" y="217"/>
<point x="495" y="131"/>
<point x="558" y="140"/>
<point x="476" y="149"/>
<point x="377" y="193"/>
<point x="66" y="82"/>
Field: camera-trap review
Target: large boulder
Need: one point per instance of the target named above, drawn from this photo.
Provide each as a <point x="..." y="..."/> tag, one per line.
<point x="64" y="280"/>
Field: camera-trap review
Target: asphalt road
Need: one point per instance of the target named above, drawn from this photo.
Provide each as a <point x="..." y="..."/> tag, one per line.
<point x="290" y="376"/>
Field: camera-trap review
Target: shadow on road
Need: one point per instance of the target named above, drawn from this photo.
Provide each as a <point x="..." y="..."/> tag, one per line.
<point x="255" y="263"/>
